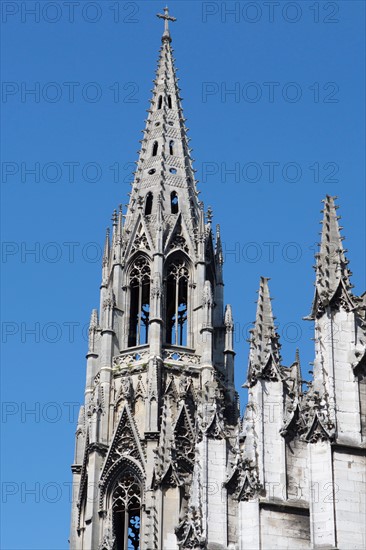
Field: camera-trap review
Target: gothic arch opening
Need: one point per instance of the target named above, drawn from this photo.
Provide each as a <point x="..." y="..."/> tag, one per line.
<point x="171" y="147"/>
<point x="174" y="203"/>
<point x="148" y="204"/>
<point x="176" y="295"/>
<point x="140" y="276"/>
<point x="155" y="149"/>
<point x="126" y="508"/>
<point x="160" y="102"/>
<point x="360" y="372"/>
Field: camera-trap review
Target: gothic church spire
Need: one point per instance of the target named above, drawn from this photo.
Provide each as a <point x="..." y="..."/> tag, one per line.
<point x="164" y="168"/>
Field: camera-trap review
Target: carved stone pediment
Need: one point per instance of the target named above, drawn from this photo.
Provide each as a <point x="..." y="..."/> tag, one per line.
<point x="294" y="424"/>
<point x="125" y="442"/>
<point x="108" y="541"/>
<point x="189" y="531"/>
<point x="243" y="483"/>
<point x="319" y="430"/>
<point x="215" y="429"/>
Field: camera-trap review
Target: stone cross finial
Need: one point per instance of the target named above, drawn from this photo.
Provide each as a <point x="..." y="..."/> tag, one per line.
<point x="166" y="18"/>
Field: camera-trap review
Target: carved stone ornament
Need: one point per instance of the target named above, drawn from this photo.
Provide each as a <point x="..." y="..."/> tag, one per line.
<point x="126" y="387"/>
<point x="108" y="540"/>
<point x="189" y="533"/>
<point x="110" y="300"/>
<point x="244" y="482"/>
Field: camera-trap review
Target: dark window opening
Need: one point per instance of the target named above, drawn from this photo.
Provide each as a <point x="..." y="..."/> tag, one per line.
<point x="171" y="148"/>
<point x="148" y="204"/>
<point x="169" y="101"/>
<point x="127" y="514"/>
<point x="155" y="149"/>
<point x="361" y="375"/>
<point x="174" y="204"/>
<point x="177" y="304"/>
<point x="139" y="303"/>
<point x="160" y="102"/>
<point x="152" y="171"/>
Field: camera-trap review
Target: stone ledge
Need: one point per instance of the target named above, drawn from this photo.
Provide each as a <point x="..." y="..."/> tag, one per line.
<point x="299" y="507"/>
<point x="349" y="449"/>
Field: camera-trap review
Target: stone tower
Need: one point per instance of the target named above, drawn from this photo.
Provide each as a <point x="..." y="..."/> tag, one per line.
<point x="162" y="460"/>
<point x="152" y="447"/>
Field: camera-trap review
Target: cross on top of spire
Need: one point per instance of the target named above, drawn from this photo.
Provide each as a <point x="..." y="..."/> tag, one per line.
<point x="166" y="18"/>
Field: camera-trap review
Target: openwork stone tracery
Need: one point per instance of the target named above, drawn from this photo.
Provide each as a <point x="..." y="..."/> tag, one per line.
<point x="126" y="505"/>
<point x="177" y="302"/>
<point x="140" y="278"/>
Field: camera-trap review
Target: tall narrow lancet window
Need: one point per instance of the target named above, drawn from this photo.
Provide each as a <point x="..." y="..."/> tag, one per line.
<point x="171" y="148"/>
<point x="148" y="204"/>
<point x="174" y="204"/>
<point x="139" y="302"/>
<point x="127" y="513"/>
<point x="169" y="101"/>
<point x="160" y="102"/>
<point x="155" y="149"/>
<point x="177" y="303"/>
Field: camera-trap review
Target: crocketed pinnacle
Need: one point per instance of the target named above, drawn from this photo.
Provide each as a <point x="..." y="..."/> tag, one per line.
<point x="228" y="317"/>
<point x="219" y="256"/>
<point x="107" y="248"/>
<point x="264" y="341"/>
<point x="93" y="328"/>
<point x="93" y="319"/>
<point x="332" y="273"/>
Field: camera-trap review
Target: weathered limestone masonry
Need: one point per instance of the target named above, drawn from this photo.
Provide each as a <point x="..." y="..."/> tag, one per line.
<point x="163" y="460"/>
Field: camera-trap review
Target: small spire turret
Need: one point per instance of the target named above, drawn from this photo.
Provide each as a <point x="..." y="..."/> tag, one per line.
<point x="93" y="328"/>
<point x="93" y="319"/>
<point x="297" y="372"/>
<point x="107" y="247"/>
<point x="106" y="257"/>
<point x="114" y="228"/>
<point x="229" y="321"/>
<point x="264" y="354"/>
<point x="229" y="329"/>
<point x="120" y="223"/>
<point x="332" y="273"/>
<point x="218" y="247"/>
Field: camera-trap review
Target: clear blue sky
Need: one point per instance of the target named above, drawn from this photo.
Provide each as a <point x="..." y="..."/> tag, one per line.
<point x="293" y="130"/>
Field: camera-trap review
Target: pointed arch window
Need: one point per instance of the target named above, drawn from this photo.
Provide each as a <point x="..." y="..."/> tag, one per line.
<point x="174" y="203"/>
<point x="169" y="101"/>
<point x="140" y="276"/>
<point x="160" y="102"/>
<point x="177" y="303"/>
<point x="155" y="148"/>
<point x="126" y="505"/>
<point x="148" y="204"/>
<point x="171" y="148"/>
